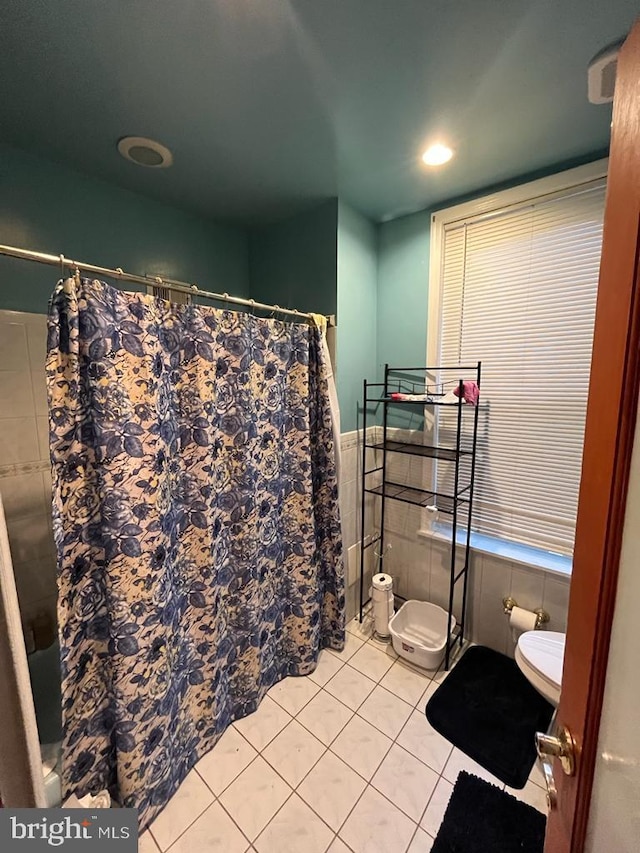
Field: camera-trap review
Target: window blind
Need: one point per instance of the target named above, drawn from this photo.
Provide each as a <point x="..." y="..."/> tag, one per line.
<point x="519" y="294"/>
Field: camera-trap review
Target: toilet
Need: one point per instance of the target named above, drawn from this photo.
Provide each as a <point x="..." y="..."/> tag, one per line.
<point x="540" y="655"/>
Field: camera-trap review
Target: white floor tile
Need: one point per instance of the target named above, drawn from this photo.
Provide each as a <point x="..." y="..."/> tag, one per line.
<point x="328" y="665"/>
<point x="295" y="829"/>
<point x="331" y="789"/>
<point x="361" y="746"/>
<point x="264" y="724"/>
<point x="428" y="693"/>
<point x="371" y="662"/>
<point x="351" y="646"/>
<point x="254" y="797"/>
<point x="457" y="654"/>
<point x="422" y="842"/>
<point x="405" y="682"/>
<point x="385" y="711"/>
<point x="432" y="818"/>
<point x="459" y="761"/>
<point x="364" y="630"/>
<point x="325" y="717"/>
<point x="350" y="687"/>
<point x="146" y="844"/>
<point x="293" y="753"/>
<point x="188" y="803"/>
<point x="293" y="693"/>
<point x="420" y="739"/>
<point x="385" y="646"/>
<point x="407" y="782"/>
<point x="226" y="760"/>
<point x="338" y="846"/>
<point x="377" y="826"/>
<point x="213" y="832"/>
<point x="531" y="794"/>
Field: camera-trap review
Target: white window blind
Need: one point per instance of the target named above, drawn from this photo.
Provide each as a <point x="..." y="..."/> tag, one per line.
<point x="519" y="293"/>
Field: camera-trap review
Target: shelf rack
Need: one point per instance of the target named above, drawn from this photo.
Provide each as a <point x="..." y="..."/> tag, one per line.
<point x="414" y="380"/>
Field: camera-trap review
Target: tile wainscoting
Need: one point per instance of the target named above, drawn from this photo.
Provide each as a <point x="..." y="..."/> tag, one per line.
<point x="420" y="565"/>
<point x="350" y="508"/>
<point x="25" y="472"/>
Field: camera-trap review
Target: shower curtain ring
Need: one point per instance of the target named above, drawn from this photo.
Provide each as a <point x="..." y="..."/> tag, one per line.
<point x="252" y="305"/>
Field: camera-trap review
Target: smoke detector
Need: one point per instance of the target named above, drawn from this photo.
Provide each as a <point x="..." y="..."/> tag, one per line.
<point x="145" y="152"/>
<point x="602" y="74"/>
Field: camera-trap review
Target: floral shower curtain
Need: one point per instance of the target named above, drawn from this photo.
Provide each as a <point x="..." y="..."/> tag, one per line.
<point x="197" y="527"/>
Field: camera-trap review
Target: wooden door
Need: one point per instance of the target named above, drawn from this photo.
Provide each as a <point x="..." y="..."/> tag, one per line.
<point x="611" y="414"/>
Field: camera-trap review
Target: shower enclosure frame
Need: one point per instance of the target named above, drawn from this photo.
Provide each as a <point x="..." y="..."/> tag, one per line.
<point x="414" y="380"/>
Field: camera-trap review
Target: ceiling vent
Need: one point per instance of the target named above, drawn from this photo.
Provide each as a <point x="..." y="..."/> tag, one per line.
<point x="164" y="292"/>
<point x="602" y="74"/>
<point x="145" y="152"/>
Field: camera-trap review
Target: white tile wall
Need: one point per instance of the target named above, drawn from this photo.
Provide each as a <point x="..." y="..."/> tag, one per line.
<point x="420" y="565"/>
<point x="350" y="508"/>
<point x="25" y="476"/>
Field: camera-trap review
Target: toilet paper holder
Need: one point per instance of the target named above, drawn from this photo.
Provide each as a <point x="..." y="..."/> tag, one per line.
<point x="542" y="617"/>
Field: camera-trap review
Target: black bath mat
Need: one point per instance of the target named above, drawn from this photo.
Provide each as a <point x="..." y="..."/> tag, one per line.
<point x="481" y="818"/>
<point x="488" y="709"/>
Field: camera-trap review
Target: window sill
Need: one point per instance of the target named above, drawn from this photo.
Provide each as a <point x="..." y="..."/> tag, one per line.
<point x="526" y="555"/>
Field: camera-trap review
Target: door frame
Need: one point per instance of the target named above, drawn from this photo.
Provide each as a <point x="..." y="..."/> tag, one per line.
<point x="609" y="433"/>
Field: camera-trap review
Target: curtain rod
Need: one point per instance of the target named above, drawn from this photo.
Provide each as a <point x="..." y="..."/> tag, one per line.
<point x="182" y="286"/>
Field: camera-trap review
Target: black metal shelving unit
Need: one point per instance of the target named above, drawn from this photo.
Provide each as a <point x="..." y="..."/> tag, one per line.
<point x="458" y="502"/>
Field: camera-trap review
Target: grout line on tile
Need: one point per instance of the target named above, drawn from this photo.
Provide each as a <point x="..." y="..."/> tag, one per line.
<point x="293" y="716"/>
<point x="326" y="746"/>
<point x="230" y="816"/>
<point x="295" y="791"/>
<point x="416" y="830"/>
<point x="165" y="850"/>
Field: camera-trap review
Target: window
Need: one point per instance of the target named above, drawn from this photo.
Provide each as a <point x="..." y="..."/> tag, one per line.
<point x="514" y="284"/>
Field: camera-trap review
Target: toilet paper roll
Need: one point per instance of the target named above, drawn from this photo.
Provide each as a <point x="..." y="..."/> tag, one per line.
<point x="522" y="620"/>
<point x="382" y="603"/>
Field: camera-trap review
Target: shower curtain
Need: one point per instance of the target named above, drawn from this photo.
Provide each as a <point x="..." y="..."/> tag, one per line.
<point x="197" y="527"/>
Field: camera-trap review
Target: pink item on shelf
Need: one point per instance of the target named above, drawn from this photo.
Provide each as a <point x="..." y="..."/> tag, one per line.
<point x="470" y="392"/>
<point x="411" y="398"/>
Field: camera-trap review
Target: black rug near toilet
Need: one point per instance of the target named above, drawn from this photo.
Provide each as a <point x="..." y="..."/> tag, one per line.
<point x="488" y="709"/>
<point x="481" y="818"/>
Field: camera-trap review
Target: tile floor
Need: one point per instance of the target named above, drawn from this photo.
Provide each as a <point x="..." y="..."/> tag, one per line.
<point x="341" y="760"/>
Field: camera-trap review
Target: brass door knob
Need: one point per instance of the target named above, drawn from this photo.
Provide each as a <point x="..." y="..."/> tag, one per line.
<point x="560" y="746"/>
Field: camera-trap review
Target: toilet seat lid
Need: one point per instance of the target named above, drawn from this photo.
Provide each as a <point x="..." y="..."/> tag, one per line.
<point x="544" y="652"/>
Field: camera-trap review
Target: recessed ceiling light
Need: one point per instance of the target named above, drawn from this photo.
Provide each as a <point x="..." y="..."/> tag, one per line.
<point x="145" y="152"/>
<point x="437" y="154"/>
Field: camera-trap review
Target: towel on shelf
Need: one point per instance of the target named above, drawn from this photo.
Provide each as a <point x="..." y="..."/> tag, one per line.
<point x="470" y="392"/>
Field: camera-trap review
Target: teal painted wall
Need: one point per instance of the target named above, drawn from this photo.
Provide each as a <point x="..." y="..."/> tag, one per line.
<point x="403" y="289"/>
<point x="357" y="310"/>
<point x="50" y="208"/>
<point x="293" y="262"/>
